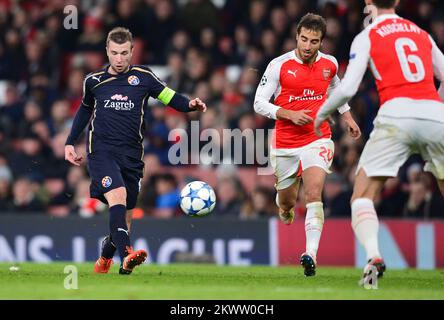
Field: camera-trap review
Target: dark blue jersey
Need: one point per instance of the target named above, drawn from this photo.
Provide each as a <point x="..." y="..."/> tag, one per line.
<point x="117" y="104"/>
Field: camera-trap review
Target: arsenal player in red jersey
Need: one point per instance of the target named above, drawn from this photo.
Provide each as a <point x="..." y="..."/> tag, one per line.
<point x="404" y="60"/>
<point x="300" y="81"/>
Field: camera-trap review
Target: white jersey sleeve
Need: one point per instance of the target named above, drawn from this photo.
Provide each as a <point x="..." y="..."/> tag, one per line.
<point x="359" y="60"/>
<point x="267" y="87"/>
<point x="438" y="66"/>
<point x="334" y="84"/>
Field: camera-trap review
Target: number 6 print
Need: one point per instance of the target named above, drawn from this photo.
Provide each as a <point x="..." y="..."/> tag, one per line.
<point x="405" y="60"/>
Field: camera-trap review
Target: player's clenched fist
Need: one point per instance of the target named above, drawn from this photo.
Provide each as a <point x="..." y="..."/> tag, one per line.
<point x="197" y="104"/>
<point x="71" y="155"/>
<point x="299" y="118"/>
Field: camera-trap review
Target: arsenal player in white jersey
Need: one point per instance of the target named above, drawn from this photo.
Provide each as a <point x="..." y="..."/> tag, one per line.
<point x="300" y="81"/>
<point x="403" y="59"/>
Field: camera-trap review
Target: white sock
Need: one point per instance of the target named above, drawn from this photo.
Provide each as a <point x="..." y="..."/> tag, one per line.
<point x="365" y="224"/>
<point x="314" y="221"/>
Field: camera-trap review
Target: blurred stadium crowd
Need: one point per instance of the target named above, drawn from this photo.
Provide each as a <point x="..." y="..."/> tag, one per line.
<point x="216" y="50"/>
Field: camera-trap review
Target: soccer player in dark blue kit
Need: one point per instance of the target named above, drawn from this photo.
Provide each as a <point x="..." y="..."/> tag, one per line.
<point x="114" y="100"/>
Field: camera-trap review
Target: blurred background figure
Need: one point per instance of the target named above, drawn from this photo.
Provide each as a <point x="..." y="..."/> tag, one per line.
<point x="167" y="196"/>
<point x="336" y="196"/>
<point x="84" y="205"/>
<point x="230" y="196"/>
<point x="25" y="197"/>
<point x="5" y="186"/>
<point x="260" y="204"/>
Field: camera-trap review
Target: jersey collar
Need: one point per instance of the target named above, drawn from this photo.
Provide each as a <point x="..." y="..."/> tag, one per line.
<point x="383" y="17"/>
<point x="119" y="74"/>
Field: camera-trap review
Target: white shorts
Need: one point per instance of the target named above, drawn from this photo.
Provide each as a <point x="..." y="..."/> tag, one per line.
<point x="288" y="164"/>
<point x="394" y="138"/>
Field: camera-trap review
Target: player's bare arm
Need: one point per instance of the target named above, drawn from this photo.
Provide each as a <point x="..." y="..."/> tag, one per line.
<point x="352" y="127"/>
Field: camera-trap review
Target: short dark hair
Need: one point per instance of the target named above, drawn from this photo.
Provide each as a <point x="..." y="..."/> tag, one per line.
<point x="119" y="35"/>
<point x="313" y="22"/>
<point x="384" y="4"/>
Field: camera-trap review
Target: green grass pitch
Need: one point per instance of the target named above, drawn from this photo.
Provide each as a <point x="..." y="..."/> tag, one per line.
<point x="201" y="282"/>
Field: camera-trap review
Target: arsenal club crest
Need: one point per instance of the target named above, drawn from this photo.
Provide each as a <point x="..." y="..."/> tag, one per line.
<point x="326" y="73"/>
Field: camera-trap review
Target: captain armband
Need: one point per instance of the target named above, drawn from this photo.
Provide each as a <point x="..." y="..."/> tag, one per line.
<point x="166" y="95"/>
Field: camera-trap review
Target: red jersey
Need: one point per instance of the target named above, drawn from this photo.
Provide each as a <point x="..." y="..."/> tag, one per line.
<point x="296" y="86"/>
<point x="401" y="60"/>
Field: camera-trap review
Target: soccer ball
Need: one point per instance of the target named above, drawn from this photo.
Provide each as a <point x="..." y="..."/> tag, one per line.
<point x="197" y="199"/>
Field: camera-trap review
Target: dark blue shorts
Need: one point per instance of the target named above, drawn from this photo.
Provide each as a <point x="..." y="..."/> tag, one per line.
<point x="109" y="171"/>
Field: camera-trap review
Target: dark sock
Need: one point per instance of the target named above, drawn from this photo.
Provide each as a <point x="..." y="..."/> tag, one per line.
<point x="119" y="229"/>
<point x="108" y="247"/>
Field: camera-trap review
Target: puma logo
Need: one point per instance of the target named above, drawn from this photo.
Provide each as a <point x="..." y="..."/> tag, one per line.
<point x="293" y="73"/>
<point x="97" y="78"/>
<point x="121" y="229"/>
